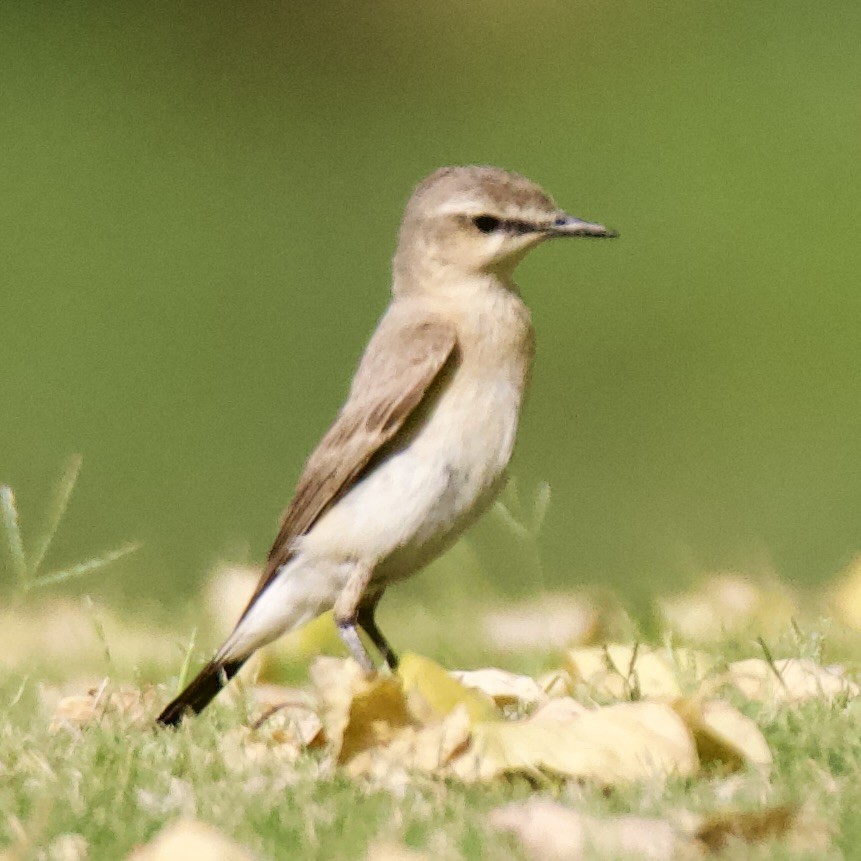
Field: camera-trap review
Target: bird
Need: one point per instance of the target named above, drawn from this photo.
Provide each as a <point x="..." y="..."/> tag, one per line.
<point x="421" y="446"/>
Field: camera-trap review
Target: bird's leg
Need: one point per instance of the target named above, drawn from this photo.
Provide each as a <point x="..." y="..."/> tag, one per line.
<point x="368" y="624"/>
<point x="346" y="613"/>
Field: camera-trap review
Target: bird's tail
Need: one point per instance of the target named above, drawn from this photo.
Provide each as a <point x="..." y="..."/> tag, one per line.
<point x="201" y="691"/>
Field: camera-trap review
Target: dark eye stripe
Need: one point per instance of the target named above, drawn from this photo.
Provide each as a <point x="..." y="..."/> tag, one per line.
<point x="489" y="224"/>
<point x="519" y="226"/>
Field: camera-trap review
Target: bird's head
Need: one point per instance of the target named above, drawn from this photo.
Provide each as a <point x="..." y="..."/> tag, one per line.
<point x="473" y="220"/>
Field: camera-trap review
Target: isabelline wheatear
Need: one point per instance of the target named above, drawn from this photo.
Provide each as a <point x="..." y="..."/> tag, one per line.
<point x="421" y="446"/>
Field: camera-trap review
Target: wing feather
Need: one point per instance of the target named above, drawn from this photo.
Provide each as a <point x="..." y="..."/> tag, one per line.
<point x="396" y="373"/>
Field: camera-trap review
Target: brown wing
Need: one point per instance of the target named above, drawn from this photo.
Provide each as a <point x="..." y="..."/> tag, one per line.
<point x="399" y="366"/>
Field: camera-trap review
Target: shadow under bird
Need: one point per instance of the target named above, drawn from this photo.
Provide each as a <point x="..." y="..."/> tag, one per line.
<point x="420" y="448"/>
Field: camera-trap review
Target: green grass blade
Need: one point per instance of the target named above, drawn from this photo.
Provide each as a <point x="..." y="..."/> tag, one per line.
<point x="510" y="521"/>
<point x="186" y="663"/>
<point x="13" y="536"/>
<point x="770" y="661"/>
<point x="56" y="510"/>
<point x="540" y="506"/>
<point x="102" y="635"/>
<point x="85" y="567"/>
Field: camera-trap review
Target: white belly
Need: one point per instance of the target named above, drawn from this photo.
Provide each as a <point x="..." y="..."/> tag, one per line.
<point x="415" y="504"/>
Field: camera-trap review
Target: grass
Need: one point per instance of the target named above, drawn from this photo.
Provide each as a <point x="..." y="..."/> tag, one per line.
<point x="27" y="566"/>
<point x="116" y="788"/>
<point x="99" y="790"/>
<point x="118" y="780"/>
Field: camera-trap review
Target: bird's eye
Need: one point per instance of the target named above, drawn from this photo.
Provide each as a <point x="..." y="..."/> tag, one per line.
<point x="486" y="223"/>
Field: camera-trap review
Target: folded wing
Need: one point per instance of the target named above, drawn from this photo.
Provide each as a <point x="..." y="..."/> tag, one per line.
<point x="396" y="374"/>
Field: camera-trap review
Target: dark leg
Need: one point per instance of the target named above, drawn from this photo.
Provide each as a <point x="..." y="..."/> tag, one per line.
<point x="368" y="624"/>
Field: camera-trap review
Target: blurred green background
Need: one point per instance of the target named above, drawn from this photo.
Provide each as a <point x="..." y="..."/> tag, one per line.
<point x="198" y="205"/>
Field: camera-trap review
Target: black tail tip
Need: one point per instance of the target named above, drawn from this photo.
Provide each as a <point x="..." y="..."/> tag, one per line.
<point x="200" y="692"/>
<point x="173" y="714"/>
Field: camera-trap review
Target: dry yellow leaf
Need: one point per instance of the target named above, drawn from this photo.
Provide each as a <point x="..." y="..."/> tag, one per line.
<point x="728" y="604"/>
<point x="719" y="829"/>
<point x="317" y="637"/>
<point x="723" y="734"/>
<point x="424" y="749"/>
<point x="76" y="710"/>
<point x="62" y="632"/>
<point x="561" y="708"/>
<point x="556" y="683"/>
<point x="503" y="687"/>
<point x="358" y="712"/>
<point x="189" y="840"/>
<point x="280" y="733"/>
<point x="622" y="671"/>
<point x="845" y="595"/>
<point x="549" y="831"/>
<point x="789" y="680"/>
<point x="287" y="712"/>
<point x="244" y="749"/>
<point x="619" y="743"/>
<point x="550" y="623"/>
<point x="129" y="705"/>
<point x="376" y="734"/>
<point x="433" y="692"/>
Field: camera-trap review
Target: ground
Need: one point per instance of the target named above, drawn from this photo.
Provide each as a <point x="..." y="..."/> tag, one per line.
<point x="88" y="775"/>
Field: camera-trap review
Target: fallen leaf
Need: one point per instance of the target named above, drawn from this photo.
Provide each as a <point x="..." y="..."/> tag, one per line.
<point x="433" y="692"/>
<point x="789" y="680"/>
<point x="551" y="623"/>
<point x="615" y="744"/>
<point x="190" y="840"/>
<point x="504" y="688"/>
<point x="561" y="708"/>
<point x="728" y="604"/>
<point x="317" y="637"/>
<point x="50" y="695"/>
<point x="75" y="710"/>
<point x="244" y="749"/>
<point x="423" y="749"/>
<point x="62" y="632"/>
<point x="635" y="672"/>
<point x="556" y="683"/>
<point x="358" y="712"/>
<point x="845" y="597"/>
<point x="549" y="831"/>
<point x="724" y="735"/>
<point x="719" y="830"/>
<point x="128" y="705"/>
<point x="287" y="712"/>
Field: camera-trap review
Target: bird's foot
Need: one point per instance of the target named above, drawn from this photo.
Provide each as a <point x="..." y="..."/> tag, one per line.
<point x="348" y="631"/>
